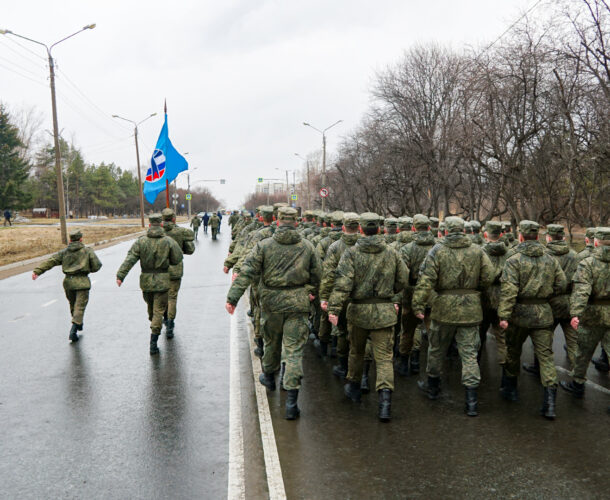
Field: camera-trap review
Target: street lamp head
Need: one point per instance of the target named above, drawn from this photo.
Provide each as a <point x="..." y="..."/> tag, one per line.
<point x="90" y="26"/>
<point x="115" y="116"/>
<point x="306" y="124"/>
<point x="5" y="32"/>
<point x="154" y="114"/>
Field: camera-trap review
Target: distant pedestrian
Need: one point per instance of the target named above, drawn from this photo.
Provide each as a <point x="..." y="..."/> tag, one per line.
<point x="7" y="217"/>
<point x="195" y="223"/>
<point x="215" y="225"/>
<point x="206" y="220"/>
<point x="76" y="261"/>
<point x="219" y="214"/>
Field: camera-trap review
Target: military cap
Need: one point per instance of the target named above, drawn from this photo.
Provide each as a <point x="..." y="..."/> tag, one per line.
<point x="590" y="232"/>
<point x="167" y="214"/>
<point x="75" y="235"/>
<point x="246" y="213"/>
<point x="476" y="226"/>
<point x="442" y="226"/>
<point x="602" y="233"/>
<point x="351" y="219"/>
<point x="468" y="227"/>
<point x="555" y="230"/>
<point x="308" y="213"/>
<point x="287" y="213"/>
<point x="434" y="222"/>
<point x="529" y="227"/>
<point x="420" y="221"/>
<point x="369" y="219"/>
<point x="390" y="222"/>
<point x="155" y="218"/>
<point x="454" y="224"/>
<point x="507" y="226"/>
<point x="266" y="210"/>
<point x="493" y="227"/>
<point x="280" y="204"/>
<point x="405" y="222"/>
<point x="337" y="217"/>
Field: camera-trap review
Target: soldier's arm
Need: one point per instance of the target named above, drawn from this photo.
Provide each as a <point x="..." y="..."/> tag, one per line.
<point x="487" y="274"/>
<point x="50" y="263"/>
<point x="315" y="273"/>
<point x="328" y="275"/>
<point x="320" y="251"/>
<point x="175" y="253"/>
<point x="133" y="256"/>
<point x="560" y="283"/>
<point x="509" y="289"/>
<point x="250" y="271"/>
<point x="428" y="278"/>
<point x="581" y="289"/>
<point x="401" y="279"/>
<point x="95" y="264"/>
<point x="344" y="282"/>
<point x="188" y="244"/>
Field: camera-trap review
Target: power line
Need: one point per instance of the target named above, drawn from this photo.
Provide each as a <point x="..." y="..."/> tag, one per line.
<point x="12" y="63"/>
<point x="22" y="75"/>
<point x="19" y="53"/>
<point x="12" y="40"/>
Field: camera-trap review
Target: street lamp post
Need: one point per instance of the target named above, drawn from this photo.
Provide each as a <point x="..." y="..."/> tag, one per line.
<point x="308" y="189"/>
<point x="60" y="181"/>
<point x="135" y="134"/>
<point x="287" y="185"/>
<point x="323" y="132"/>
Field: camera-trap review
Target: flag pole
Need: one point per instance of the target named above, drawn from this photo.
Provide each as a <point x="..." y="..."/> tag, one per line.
<point x="166" y="182"/>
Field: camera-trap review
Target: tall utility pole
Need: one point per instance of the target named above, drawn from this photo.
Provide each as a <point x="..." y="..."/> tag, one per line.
<point x="323" y="132"/>
<point x="308" y="188"/>
<point x="135" y="134"/>
<point x="60" y="181"/>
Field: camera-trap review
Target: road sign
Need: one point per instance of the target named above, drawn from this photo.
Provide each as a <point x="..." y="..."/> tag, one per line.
<point x="182" y="205"/>
<point x="188" y="196"/>
<point x="175" y="196"/>
<point x="294" y="205"/>
<point x="223" y="181"/>
<point x="323" y="192"/>
<point x="260" y="180"/>
<point x="294" y="197"/>
<point x="291" y="190"/>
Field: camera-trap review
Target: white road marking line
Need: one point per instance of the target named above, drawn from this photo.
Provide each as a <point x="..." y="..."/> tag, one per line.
<point x="275" y="480"/>
<point x="47" y="304"/>
<point x="237" y="485"/>
<point x="19" y="318"/>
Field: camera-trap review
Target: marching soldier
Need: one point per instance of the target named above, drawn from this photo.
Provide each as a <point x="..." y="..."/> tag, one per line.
<point x="390" y="230"/>
<point x="476" y="237"/>
<point x="156" y="253"/>
<point x="404" y="236"/>
<point x="76" y="261"/>
<point x="215" y="225"/>
<point x="195" y="223"/>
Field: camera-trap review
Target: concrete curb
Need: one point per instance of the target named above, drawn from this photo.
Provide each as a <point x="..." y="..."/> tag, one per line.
<point x="36" y="260"/>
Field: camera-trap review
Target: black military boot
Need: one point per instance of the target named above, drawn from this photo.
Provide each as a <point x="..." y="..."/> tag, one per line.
<point x="577" y="390"/>
<point x="333" y="347"/>
<point x="292" y="410"/>
<point x="601" y="363"/>
<point x="259" y="349"/>
<point x="153" y="344"/>
<point x="402" y="367"/>
<point x="73" y="335"/>
<point x="268" y="380"/>
<point x="509" y="389"/>
<point x="340" y="370"/>
<point x="352" y="391"/>
<point x="364" y="383"/>
<point x="432" y="387"/>
<point x="534" y="368"/>
<point x="169" y="331"/>
<point x="80" y="327"/>
<point x="503" y="381"/>
<point x="472" y="402"/>
<point x="282" y="372"/>
<point x="321" y="347"/>
<point x="548" y="403"/>
<point x="385" y="405"/>
<point x="414" y="362"/>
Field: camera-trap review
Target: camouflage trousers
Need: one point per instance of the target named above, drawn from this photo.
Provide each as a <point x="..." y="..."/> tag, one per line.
<point x="340" y="331"/>
<point x="468" y="343"/>
<point x="256" y="311"/>
<point x="284" y="336"/>
<point x="571" y="337"/>
<point x="382" y="347"/>
<point x="157" y="305"/>
<point x="491" y="321"/>
<point x="588" y="338"/>
<point x="214" y="233"/>
<point x="410" y="324"/>
<point x="195" y="231"/>
<point x="78" y="300"/>
<point x="172" y="298"/>
<point x="325" y="327"/>
<point x="542" y="338"/>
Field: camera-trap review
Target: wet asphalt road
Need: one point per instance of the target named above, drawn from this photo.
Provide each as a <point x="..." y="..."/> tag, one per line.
<point x="102" y="419"/>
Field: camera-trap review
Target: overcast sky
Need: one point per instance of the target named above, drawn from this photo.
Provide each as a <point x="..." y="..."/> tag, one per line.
<point x="240" y="76"/>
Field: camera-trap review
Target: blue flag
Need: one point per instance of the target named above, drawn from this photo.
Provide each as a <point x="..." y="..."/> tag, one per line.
<point x="165" y="165"/>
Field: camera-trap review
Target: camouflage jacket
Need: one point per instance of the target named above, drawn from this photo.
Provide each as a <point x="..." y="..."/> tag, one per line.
<point x="530" y="276"/>
<point x="327" y="241"/>
<point x="156" y="252"/>
<point x="560" y="304"/>
<point x="237" y="245"/>
<point x="254" y="237"/>
<point x="308" y="228"/>
<point x="286" y="269"/>
<point x="371" y="275"/>
<point x="402" y="239"/>
<point x="315" y="231"/>
<point x="477" y="239"/>
<point x="186" y="241"/>
<point x="195" y="222"/>
<point x="457" y="270"/>
<point x="214" y="222"/>
<point x="413" y="255"/>
<point x="76" y="261"/>
<point x="585" y="252"/>
<point x="331" y="261"/>
<point x="590" y="286"/>
<point x="390" y="238"/>
<point x="497" y="251"/>
<point x="324" y="232"/>
<point x="237" y="227"/>
<point x="233" y="218"/>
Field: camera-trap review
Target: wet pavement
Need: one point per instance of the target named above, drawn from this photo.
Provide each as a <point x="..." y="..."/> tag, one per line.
<point x="102" y="419"/>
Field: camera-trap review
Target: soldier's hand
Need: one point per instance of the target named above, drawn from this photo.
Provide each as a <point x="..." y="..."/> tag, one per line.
<point x="504" y="324"/>
<point x="312" y="297"/>
<point x="323" y="305"/>
<point x="34" y="276"/>
<point x="419" y="316"/>
<point x="225" y="270"/>
<point x="234" y="277"/>
<point x="230" y="308"/>
<point x="119" y="282"/>
<point x="334" y="319"/>
<point x="575" y="322"/>
<point x="397" y="307"/>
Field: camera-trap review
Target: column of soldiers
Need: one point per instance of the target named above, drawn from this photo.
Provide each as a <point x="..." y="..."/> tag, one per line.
<point x="368" y="289"/>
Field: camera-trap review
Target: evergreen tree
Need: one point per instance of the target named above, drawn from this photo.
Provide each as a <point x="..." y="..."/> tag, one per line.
<point x="13" y="168"/>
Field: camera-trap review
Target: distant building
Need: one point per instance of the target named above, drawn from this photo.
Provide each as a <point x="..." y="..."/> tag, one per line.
<point x="271" y="187"/>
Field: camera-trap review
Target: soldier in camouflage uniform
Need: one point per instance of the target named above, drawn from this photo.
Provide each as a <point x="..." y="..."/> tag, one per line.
<point x="468" y="229"/>
<point x="456" y="271"/>
<point x="434" y="227"/>
<point x="371" y="276"/>
<point x="233" y="218"/>
<point x="324" y="334"/>
<point x="195" y="223"/>
<point x="243" y="228"/>
<point x="405" y="234"/>
<point x="413" y="256"/>
<point x="307" y="224"/>
<point x="156" y="253"/>
<point x="185" y="239"/>
<point x="590" y="309"/>
<point x="214" y="225"/>
<point x="509" y="236"/>
<point x="441" y="231"/>
<point x="288" y="272"/>
<point x="476" y="237"/>
<point x="529" y="280"/>
<point x="76" y="261"/>
<point x="390" y="230"/>
<point x="497" y="252"/>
